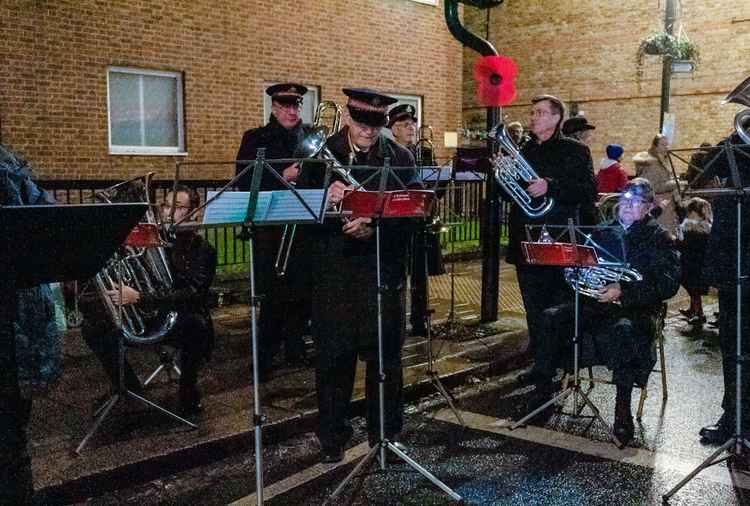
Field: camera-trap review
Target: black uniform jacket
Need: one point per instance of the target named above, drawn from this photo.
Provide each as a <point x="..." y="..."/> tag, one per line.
<point x="720" y="265"/>
<point x="566" y="165"/>
<point x="278" y="142"/>
<point x="344" y="268"/>
<point x="193" y="266"/>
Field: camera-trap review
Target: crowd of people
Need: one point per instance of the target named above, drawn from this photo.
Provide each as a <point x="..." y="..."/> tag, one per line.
<point x="331" y="288"/>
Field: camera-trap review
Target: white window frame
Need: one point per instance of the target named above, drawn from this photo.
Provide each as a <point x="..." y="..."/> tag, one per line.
<point x="149" y="150"/>
<point x="427" y="2"/>
<point x="313" y="92"/>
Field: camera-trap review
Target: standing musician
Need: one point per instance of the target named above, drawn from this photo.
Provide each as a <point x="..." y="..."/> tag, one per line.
<point x="618" y="327"/>
<point x="285" y="307"/>
<point x="720" y="270"/>
<point x="193" y="264"/>
<point x="566" y="174"/>
<point x="345" y="309"/>
<point x="402" y="121"/>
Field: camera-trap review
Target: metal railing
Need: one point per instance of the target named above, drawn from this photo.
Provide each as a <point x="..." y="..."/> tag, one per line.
<point x="460" y="206"/>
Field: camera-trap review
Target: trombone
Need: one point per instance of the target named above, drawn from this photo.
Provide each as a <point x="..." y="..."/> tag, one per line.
<point x="309" y="147"/>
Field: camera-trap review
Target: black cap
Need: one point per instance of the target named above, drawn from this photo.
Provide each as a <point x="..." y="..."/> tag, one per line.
<point x="287" y="93"/>
<point x="368" y="106"/>
<point x="576" y="124"/>
<point x="400" y="113"/>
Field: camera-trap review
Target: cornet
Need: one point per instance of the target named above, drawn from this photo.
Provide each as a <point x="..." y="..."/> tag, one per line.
<point x="512" y="169"/>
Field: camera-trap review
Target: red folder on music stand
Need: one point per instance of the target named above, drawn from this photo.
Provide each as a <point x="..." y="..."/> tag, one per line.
<point x="561" y="254"/>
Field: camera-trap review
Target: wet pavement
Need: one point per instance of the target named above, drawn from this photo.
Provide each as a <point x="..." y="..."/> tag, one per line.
<point x="566" y="461"/>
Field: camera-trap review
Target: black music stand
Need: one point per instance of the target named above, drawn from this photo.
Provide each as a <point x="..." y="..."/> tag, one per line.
<point x="738" y="443"/>
<point x="252" y="209"/>
<point x="576" y="256"/>
<point x="383" y="444"/>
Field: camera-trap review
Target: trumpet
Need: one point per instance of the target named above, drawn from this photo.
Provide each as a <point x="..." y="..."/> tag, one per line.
<point x="589" y="280"/>
<point x="512" y="169"/>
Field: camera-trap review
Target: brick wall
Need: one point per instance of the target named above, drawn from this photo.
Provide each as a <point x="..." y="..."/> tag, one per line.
<point x="54" y="56"/>
<point x="585" y="52"/>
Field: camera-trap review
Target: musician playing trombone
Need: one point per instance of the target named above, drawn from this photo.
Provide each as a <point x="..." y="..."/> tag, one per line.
<point x="345" y="308"/>
<point x="566" y="174"/>
<point x="618" y="327"/>
<point x="284" y="309"/>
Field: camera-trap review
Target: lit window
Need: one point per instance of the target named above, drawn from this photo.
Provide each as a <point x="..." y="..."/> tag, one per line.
<point x="145" y="112"/>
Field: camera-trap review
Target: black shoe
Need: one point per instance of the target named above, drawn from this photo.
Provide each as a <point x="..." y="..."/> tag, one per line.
<point x="331" y="455"/>
<point x="624" y="429"/>
<point x="714" y="323"/>
<point x="717" y="433"/>
<point x="541" y="395"/>
<point x="697" y="319"/>
<point x="687" y="313"/>
<point x="529" y="378"/>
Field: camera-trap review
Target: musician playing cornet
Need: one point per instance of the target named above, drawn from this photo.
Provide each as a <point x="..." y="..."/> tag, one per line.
<point x="619" y="326"/>
<point x="566" y="174"/>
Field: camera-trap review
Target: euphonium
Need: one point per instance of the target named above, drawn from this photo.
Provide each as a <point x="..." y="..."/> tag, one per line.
<point x="511" y="169"/>
<point x="588" y="280"/>
<point x="741" y="95"/>
<point x="144" y="269"/>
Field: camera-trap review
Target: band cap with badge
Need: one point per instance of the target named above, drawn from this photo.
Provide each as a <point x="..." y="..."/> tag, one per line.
<point x="287" y="93"/>
<point x="368" y="106"/>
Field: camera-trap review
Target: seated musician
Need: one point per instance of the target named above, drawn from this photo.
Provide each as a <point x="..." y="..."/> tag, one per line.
<point x="193" y="265"/>
<point x="343" y="264"/>
<point x="618" y="327"/>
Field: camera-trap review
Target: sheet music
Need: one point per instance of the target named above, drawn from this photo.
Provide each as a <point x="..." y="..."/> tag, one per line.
<point x="273" y="207"/>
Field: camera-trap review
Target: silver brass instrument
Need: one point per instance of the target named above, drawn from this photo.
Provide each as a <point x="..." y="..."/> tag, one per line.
<point x="741" y="95"/>
<point x="313" y="146"/>
<point x="588" y="280"/>
<point x="144" y="269"/>
<point x="511" y="170"/>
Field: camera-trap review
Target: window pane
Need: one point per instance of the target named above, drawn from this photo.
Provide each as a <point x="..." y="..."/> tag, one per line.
<point x="125" y="109"/>
<point x="160" y="110"/>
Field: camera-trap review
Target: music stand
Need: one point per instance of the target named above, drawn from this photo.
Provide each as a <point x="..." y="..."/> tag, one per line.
<point x="738" y="442"/>
<point x="577" y="257"/>
<point x="262" y="208"/>
<point x="382" y="205"/>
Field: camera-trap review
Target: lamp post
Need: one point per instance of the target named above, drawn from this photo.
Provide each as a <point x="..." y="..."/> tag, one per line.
<point x="670" y="17"/>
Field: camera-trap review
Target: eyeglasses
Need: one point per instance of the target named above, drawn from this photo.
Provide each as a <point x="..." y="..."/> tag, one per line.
<point x="632" y="202"/>
<point x="534" y="113"/>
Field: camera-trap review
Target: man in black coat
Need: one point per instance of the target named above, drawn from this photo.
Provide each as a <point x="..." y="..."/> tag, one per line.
<point x="284" y="310"/>
<point x="193" y="266"/>
<point x="345" y="309"/>
<point x="720" y="270"/>
<point x="566" y="174"/>
<point x="618" y="327"/>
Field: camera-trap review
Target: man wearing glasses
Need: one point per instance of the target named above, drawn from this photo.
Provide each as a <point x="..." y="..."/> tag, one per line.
<point x="344" y="264"/>
<point x="284" y="309"/>
<point x="193" y="265"/>
<point x="566" y="174"/>
<point x="619" y="326"/>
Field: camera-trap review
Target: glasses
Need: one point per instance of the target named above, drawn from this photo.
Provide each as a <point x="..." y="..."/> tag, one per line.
<point x="540" y="113"/>
<point x="632" y="202"/>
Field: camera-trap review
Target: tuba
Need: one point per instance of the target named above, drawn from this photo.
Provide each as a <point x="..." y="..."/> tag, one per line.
<point x="741" y="95"/>
<point x="589" y="280"/>
<point x="146" y="269"/>
<point x="512" y="170"/>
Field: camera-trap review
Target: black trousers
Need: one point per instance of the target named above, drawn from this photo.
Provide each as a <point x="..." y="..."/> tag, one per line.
<point x="541" y="287"/>
<point x="334" y="381"/>
<point x="607" y="336"/>
<point x="16" y="484"/>
<point x="285" y="303"/>
<point x="728" y="340"/>
<point x="190" y="336"/>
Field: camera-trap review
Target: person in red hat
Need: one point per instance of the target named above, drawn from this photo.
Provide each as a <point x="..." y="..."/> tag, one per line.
<point x="284" y="311"/>
<point x="344" y="272"/>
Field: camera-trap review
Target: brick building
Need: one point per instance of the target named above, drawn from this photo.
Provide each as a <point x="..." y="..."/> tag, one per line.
<point x="585" y="52"/>
<point x="63" y="62"/>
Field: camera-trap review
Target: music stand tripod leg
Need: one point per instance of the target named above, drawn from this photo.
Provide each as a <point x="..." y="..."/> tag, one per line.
<point x="383" y="445"/>
<point x="100" y="414"/>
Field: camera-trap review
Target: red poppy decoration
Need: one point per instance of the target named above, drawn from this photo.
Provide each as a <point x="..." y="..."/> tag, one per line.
<point x="495" y="77"/>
